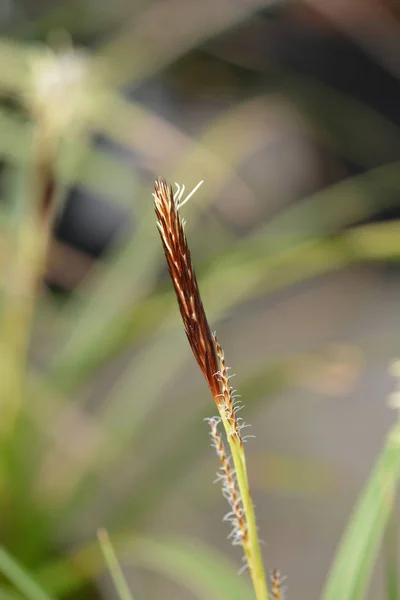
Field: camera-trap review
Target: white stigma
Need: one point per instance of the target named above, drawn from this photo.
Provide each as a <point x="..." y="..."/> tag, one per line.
<point x="180" y="190"/>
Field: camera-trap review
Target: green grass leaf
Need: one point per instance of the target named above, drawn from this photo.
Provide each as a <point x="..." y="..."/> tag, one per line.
<point x="14" y="71"/>
<point x="98" y="171"/>
<point x="391" y="559"/>
<point x="206" y="573"/>
<point x="196" y="567"/>
<point x="353" y="566"/>
<point x="138" y="59"/>
<point x="22" y="580"/>
<point x="113" y="566"/>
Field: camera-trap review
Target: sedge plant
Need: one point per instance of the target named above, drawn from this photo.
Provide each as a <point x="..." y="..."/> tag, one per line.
<point x="210" y="358"/>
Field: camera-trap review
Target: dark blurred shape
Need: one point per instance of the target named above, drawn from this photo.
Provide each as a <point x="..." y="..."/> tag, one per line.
<point x="301" y="41"/>
<point x="88" y="223"/>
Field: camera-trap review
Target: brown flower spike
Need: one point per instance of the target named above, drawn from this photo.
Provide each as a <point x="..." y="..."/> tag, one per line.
<point x="210" y="358"/>
<point x="184" y="280"/>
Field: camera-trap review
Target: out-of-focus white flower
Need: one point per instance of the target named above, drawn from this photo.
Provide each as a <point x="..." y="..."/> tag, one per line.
<point x="394" y="368"/>
<point x="394" y="400"/>
<point x="62" y="90"/>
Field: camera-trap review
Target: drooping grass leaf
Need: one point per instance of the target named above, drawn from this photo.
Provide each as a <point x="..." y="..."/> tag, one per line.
<point x="354" y="563"/>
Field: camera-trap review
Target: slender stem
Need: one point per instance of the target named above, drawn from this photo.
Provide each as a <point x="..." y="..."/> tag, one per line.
<point x="27" y="242"/>
<point x="210" y="358"/>
<point x="252" y="546"/>
<point x="113" y="565"/>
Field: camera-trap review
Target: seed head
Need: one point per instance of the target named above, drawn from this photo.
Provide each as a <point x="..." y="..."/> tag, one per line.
<point x="184" y="280"/>
<point x="229" y="488"/>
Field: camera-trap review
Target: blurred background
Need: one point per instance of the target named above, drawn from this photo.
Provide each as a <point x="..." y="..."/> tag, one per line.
<point x="290" y="113"/>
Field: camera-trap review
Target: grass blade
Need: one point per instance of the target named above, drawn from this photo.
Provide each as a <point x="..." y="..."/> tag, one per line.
<point x="193" y="22"/>
<point x="353" y="567"/>
<point x="206" y="573"/>
<point x="113" y="566"/>
<point x="20" y="578"/>
<point x="390" y="558"/>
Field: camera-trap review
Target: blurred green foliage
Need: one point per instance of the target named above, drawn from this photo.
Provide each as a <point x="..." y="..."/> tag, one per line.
<point x="70" y="465"/>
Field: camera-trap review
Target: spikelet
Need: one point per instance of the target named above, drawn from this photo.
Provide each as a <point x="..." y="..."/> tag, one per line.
<point x="277" y="590"/>
<point x="185" y="283"/>
<point x="228" y="406"/>
<point x="229" y="487"/>
<point x="205" y="346"/>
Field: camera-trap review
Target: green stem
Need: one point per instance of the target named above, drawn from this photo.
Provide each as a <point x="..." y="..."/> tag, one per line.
<point x="252" y="547"/>
<point x="27" y="246"/>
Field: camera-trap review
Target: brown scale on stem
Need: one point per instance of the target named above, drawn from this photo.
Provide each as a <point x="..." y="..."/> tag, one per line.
<point x="185" y="283"/>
